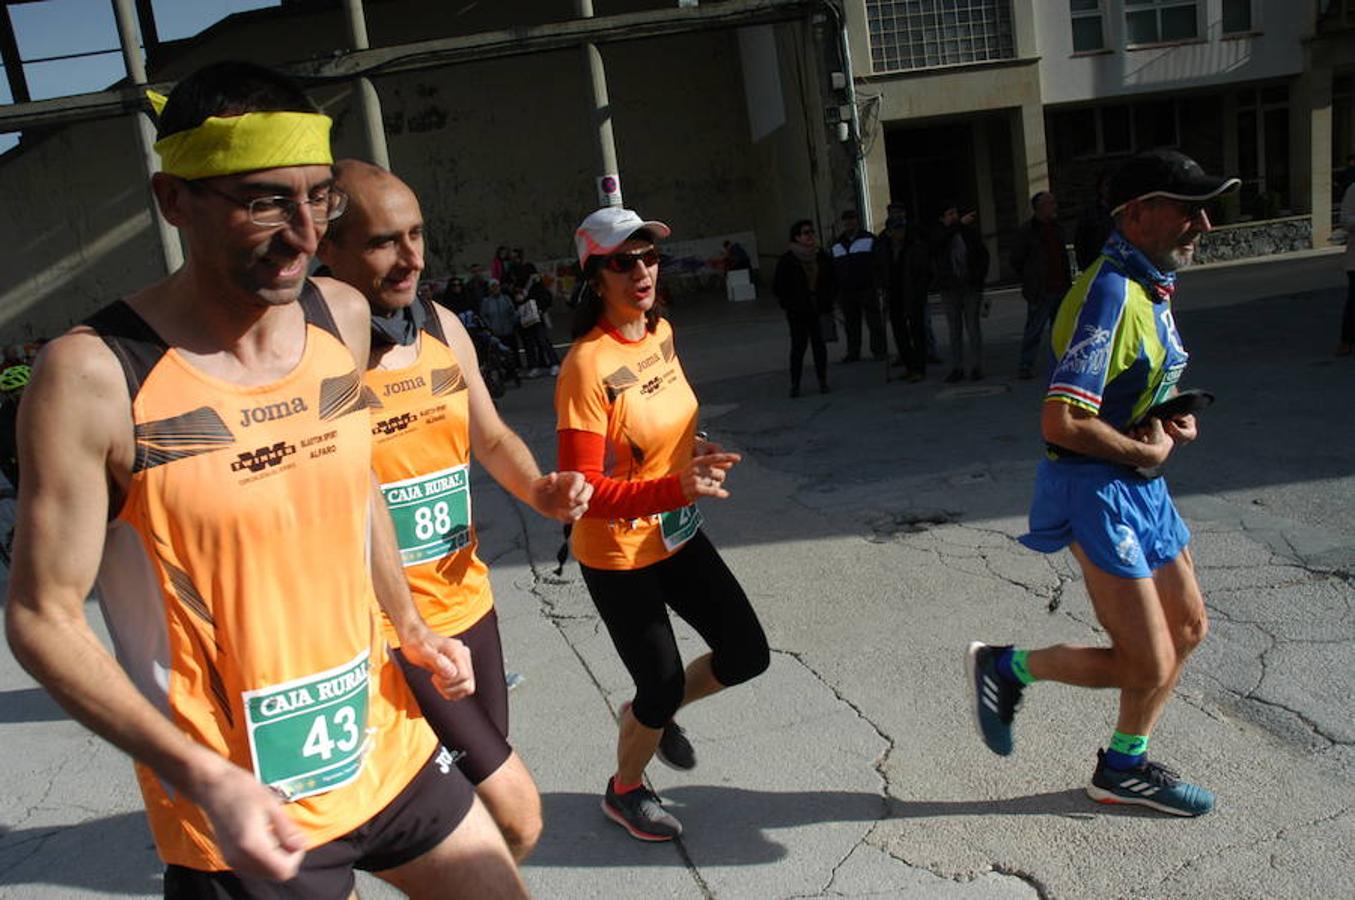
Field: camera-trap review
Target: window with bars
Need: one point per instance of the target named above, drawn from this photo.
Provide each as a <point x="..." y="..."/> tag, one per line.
<point x="1161" y="21"/>
<point x="921" y="34"/>
<point x="1088" y="32"/>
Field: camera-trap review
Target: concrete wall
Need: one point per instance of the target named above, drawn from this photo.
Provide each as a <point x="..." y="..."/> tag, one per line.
<point x="500" y="152"/>
<point x="75" y="227"/>
<point x="802" y="172"/>
<point x="1274" y="50"/>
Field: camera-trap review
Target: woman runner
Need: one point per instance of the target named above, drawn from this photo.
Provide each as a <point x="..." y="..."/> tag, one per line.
<point x="627" y="419"/>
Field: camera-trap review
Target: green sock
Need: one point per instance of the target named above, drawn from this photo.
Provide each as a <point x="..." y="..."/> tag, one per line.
<point x="1019" y="668"/>
<point x="1126" y="750"/>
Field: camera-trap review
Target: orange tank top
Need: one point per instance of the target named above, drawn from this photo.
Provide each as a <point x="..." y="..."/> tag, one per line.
<point x="235" y="584"/>
<point x="636" y="395"/>
<point x="421" y="454"/>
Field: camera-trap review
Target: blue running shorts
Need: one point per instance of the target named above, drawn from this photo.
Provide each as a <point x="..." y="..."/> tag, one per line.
<point x="1127" y="525"/>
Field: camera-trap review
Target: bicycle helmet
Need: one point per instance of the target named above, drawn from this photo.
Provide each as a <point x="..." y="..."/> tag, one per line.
<point x="15" y="378"/>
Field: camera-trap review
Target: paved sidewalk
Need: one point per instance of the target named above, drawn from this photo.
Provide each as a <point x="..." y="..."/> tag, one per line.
<point x="873" y="528"/>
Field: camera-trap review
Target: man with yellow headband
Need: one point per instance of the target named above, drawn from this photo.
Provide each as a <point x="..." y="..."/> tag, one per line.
<point x="203" y="449"/>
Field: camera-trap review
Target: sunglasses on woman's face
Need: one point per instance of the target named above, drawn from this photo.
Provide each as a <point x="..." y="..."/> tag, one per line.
<point x="622" y="263"/>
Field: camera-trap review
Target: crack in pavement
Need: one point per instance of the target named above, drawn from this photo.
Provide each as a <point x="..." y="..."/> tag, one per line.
<point x="35" y="843"/>
<point x="888" y="798"/>
<point x="546" y="607"/>
<point x="1280" y="834"/>
<point x="1314" y="574"/>
<point x="1263" y="659"/>
<point x="881" y="761"/>
<point x="1041" y="889"/>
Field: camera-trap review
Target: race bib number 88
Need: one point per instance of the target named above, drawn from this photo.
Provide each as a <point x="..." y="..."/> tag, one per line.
<point x="307" y="736"/>
<point x="431" y="514"/>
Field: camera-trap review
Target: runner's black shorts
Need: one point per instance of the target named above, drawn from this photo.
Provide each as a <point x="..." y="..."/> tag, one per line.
<point x="420" y="817"/>
<point x="474" y="729"/>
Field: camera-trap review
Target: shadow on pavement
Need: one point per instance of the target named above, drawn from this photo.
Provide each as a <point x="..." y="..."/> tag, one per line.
<point x="728" y="826"/>
<point x="29" y="705"/>
<point x="113" y="855"/>
<point x="1268" y="360"/>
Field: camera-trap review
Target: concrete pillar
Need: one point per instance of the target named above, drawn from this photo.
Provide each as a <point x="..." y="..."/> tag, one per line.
<point x="987" y="207"/>
<point x="171" y="250"/>
<point x="1230" y="148"/>
<point x="1311" y="149"/>
<point x="1029" y="152"/>
<point x="1230" y="205"/>
<point x="369" y="104"/>
<point x="874" y="169"/>
<point x="609" y="175"/>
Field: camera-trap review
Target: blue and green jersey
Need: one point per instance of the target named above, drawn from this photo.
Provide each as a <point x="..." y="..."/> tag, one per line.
<point x="1115" y="345"/>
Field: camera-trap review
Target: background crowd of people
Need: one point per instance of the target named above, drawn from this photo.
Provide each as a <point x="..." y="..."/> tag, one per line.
<point x="886" y="278"/>
<point x="508" y="311"/>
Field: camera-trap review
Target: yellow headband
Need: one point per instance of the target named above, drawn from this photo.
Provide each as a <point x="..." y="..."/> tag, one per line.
<point x="257" y="140"/>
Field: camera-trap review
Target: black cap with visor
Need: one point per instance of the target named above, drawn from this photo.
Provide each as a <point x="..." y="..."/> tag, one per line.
<point x="1165" y="173"/>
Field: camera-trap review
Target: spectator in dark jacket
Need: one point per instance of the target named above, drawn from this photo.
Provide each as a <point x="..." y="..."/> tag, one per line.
<point x="456" y="297"/>
<point x="803" y="285"/>
<point x="1040" y="257"/>
<point x="856" y="268"/>
<point x="960" y="261"/>
<point x="908" y="273"/>
<point x="1094" y="225"/>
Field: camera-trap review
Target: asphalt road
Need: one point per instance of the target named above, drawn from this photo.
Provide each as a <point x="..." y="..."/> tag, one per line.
<point x="873" y="528"/>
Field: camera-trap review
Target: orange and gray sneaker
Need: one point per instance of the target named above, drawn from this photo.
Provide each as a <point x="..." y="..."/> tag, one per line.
<point x="641" y="813"/>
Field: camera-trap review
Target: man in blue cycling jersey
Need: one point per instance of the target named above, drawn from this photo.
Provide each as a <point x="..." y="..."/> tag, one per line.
<point x="1117" y="354"/>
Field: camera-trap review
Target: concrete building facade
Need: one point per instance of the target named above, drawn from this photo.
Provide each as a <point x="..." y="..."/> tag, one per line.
<point x="734" y="130"/>
<point x="719" y="131"/>
<point x="982" y="103"/>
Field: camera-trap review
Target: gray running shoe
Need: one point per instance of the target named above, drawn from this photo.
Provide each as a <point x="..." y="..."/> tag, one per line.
<point x="640" y="813"/>
<point x="674" y="750"/>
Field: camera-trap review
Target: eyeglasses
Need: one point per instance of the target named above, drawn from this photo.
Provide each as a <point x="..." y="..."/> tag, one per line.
<point x="622" y="263"/>
<point x="805" y="231"/>
<point x="272" y="212"/>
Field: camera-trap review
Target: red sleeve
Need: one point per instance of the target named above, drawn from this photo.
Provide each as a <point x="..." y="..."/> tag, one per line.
<point x="583" y="451"/>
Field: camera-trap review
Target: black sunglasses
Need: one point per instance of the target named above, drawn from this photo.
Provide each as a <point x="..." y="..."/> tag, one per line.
<point x="622" y="263"/>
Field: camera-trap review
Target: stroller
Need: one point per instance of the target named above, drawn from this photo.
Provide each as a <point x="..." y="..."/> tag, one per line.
<point x="496" y="362"/>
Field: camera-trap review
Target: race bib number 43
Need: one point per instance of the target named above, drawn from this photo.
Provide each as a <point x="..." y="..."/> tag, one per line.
<point x="308" y="735"/>
<point x="431" y="514"/>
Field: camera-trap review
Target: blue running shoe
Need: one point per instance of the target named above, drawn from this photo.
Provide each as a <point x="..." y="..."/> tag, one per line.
<point x="995" y="698"/>
<point x="1148" y="784"/>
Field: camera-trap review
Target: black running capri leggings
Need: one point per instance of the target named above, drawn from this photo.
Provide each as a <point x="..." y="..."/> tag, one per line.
<point x="697" y="585"/>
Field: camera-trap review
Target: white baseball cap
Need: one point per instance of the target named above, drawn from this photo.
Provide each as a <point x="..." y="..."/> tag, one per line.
<point x="608" y="228"/>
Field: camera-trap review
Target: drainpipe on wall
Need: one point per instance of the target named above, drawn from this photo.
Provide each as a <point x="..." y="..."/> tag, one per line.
<point x="862" y="188"/>
<point x="369" y="104"/>
<point x="171" y="250"/>
<point x="609" y="178"/>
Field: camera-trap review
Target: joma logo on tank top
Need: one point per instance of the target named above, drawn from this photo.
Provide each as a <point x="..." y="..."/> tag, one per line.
<point x="404" y="384"/>
<point x="257" y="415"/>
